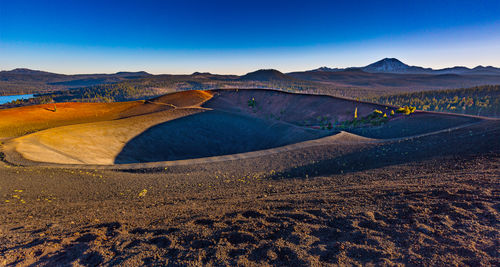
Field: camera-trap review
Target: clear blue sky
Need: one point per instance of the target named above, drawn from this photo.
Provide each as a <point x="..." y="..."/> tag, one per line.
<point x="239" y="36"/>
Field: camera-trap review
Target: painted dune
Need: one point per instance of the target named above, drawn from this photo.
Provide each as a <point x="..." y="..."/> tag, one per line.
<point x="24" y="120"/>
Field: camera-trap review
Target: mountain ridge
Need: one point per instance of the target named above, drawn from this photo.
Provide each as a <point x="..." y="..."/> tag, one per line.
<point x="27" y="71"/>
<point x="386" y="75"/>
<point x="385" y="65"/>
<point x="394" y="65"/>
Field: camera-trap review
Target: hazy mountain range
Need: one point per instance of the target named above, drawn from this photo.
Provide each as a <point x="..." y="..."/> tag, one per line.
<point x="385" y="76"/>
<point x="27" y="75"/>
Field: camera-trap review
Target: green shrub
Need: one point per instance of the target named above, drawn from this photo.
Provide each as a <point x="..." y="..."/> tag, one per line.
<point x="252" y="103"/>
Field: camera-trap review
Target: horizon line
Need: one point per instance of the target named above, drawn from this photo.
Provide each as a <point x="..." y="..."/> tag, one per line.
<point x="216" y="73"/>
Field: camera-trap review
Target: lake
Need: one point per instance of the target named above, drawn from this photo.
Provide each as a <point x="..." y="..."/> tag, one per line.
<point x="8" y="98"/>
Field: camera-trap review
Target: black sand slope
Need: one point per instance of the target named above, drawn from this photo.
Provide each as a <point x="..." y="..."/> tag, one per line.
<point x="211" y="133"/>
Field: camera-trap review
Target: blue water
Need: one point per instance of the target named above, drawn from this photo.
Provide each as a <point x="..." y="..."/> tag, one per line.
<point x="9" y="98"/>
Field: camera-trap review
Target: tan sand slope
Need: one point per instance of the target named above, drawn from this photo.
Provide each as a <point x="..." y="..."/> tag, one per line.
<point x="89" y="143"/>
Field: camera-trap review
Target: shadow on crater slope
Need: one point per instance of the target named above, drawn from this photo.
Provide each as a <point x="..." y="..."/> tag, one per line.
<point x="476" y="139"/>
<point x="211" y="133"/>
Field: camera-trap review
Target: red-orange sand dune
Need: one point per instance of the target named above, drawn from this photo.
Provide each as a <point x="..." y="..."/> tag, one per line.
<point x="23" y="120"/>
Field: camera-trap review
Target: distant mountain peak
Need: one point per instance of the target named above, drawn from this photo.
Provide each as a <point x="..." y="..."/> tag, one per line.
<point x="266" y="71"/>
<point x="391" y="60"/>
<point x="26" y="71"/>
<point x="132" y="73"/>
<point x="201" y="73"/>
<point x="324" y="68"/>
<point x="481" y="67"/>
<point x="394" y="65"/>
<point x="387" y="65"/>
<point x="266" y="75"/>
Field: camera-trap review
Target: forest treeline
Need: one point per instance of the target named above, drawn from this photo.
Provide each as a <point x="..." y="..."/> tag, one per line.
<point x="479" y="100"/>
<point x="159" y="85"/>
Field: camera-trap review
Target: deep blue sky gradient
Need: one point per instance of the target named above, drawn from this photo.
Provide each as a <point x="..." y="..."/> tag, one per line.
<point x="239" y="36"/>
